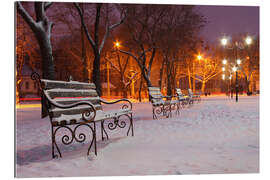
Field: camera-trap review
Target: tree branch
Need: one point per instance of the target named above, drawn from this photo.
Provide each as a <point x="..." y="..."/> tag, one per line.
<point x="40" y="12"/>
<point x="29" y="20"/>
<point x="112" y="65"/>
<point x="84" y="26"/>
<point x="47" y="5"/>
<point x="96" y="36"/>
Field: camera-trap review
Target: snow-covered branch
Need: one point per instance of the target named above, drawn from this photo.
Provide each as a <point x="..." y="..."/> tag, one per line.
<point x="29" y="20"/>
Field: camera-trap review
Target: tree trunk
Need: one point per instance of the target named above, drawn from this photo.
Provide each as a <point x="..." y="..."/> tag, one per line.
<point x="161" y="75"/>
<point x="169" y="88"/>
<point x="42" y="29"/>
<point x="96" y="73"/>
<point x="189" y="80"/>
<point x="85" y="71"/>
<point x="46" y="55"/>
<point x="140" y="90"/>
<point x="247" y="85"/>
<point x="203" y="86"/>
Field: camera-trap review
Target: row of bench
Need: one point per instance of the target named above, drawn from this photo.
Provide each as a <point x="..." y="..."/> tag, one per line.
<point x="71" y="105"/>
<point x="164" y="105"/>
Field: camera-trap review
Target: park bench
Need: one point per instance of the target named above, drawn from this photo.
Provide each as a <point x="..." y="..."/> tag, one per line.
<point x="71" y="105"/>
<point x="161" y="104"/>
<point x="184" y="100"/>
<point x="193" y="96"/>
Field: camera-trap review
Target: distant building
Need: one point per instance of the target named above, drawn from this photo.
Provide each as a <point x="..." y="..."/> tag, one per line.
<point x="28" y="87"/>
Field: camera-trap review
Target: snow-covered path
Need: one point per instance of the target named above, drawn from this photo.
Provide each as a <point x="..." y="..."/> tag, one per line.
<point x="214" y="136"/>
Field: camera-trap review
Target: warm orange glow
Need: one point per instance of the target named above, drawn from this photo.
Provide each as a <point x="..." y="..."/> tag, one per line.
<point x="117" y="44"/>
<point x="199" y="57"/>
<point x="23" y="106"/>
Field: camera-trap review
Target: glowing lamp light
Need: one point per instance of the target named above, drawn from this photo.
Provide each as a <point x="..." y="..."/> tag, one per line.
<point x="117" y="44"/>
<point x="248" y="40"/>
<point x="199" y="57"/>
<point x="223" y="76"/>
<point x="230" y="77"/>
<point x="223" y="68"/>
<point x="234" y="68"/>
<point x="224" y="41"/>
<point x="238" y="61"/>
<point x="224" y="61"/>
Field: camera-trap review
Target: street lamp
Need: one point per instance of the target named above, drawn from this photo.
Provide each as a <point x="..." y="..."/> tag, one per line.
<point x="224" y="41"/>
<point x="117" y="44"/>
<point x="199" y="57"/>
<point x="223" y="76"/>
<point x="248" y="40"/>
<point x="236" y="46"/>
<point x="234" y="68"/>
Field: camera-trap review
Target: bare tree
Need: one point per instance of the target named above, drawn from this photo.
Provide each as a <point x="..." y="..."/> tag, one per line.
<point x="251" y="63"/>
<point x="120" y="63"/>
<point x="94" y="40"/>
<point x="180" y="28"/>
<point x="146" y="19"/>
<point x="42" y="28"/>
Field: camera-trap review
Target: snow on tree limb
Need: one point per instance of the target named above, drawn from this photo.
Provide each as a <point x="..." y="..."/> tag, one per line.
<point x="29" y="20"/>
<point x="47" y="5"/>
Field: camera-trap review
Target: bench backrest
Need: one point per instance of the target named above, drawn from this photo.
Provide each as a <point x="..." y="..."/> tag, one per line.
<point x="66" y="93"/>
<point x="190" y="93"/>
<point x="179" y="92"/>
<point x="155" y="95"/>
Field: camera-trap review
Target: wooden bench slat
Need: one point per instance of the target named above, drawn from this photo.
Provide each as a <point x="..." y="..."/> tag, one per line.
<point x="154" y="88"/>
<point x="53" y="93"/>
<point x="66" y="101"/>
<point x="50" y="84"/>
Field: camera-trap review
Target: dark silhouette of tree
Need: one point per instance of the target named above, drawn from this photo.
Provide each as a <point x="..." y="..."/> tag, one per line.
<point x="42" y="27"/>
<point x="94" y="40"/>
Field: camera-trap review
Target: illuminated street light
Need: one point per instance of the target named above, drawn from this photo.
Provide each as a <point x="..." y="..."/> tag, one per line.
<point x="224" y="41"/>
<point x="199" y="57"/>
<point x="248" y="40"/>
<point x="117" y="44"/>
<point x="234" y="69"/>
<point x="238" y="61"/>
<point x="224" y="61"/>
<point x="223" y="76"/>
<point x="230" y="77"/>
<point x="223" y="68"/>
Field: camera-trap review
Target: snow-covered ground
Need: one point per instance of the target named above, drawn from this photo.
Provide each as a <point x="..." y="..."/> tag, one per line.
<point x="217" y="135"/>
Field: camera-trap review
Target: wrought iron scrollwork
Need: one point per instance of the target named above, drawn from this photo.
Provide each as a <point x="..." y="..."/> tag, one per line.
<point x="73" y="136"/>
<point x="36" y="77"/>
<point x="117" y="123"/>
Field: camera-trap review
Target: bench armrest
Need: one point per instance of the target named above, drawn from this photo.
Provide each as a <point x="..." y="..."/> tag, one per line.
<point x="119" y="100"/>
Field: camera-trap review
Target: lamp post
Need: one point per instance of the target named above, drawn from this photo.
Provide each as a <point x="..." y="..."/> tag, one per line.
<point x="199" y="57"/>
<point x="236" y="64"/>
<point x="229" y="72"/>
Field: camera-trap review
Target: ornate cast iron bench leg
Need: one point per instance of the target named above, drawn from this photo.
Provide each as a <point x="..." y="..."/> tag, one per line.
<point x="103" y="130"/>
<point x="71" y="136"/>
<point x="131" y="125"/>
<point x="154" y="113"/>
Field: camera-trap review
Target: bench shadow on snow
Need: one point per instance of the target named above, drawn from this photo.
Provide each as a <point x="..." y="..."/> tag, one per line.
<point x="43" y="153"/>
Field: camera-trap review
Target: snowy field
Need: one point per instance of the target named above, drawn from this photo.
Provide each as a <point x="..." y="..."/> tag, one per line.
<point x="214" y="136"/>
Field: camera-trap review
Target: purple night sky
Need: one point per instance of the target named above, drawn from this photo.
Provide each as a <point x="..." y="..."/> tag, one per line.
<point x="229" y="20"/>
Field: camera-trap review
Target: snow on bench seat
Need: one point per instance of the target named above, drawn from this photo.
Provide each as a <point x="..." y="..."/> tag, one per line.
<point x="100" y="115"/>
